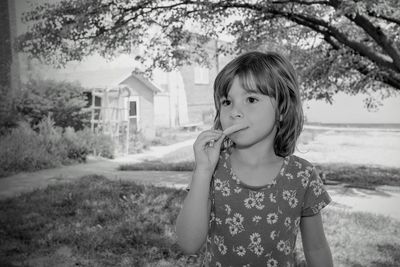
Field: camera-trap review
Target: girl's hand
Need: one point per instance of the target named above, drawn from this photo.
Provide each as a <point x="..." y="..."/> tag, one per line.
<point x="206" y="150"/>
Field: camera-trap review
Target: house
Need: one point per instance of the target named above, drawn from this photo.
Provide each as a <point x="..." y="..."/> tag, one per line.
<point x="125" y="109"/>
<point x="123" y="102"/>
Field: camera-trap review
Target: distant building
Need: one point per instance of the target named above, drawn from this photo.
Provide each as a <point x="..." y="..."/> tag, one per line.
<point x="123" y="102"/>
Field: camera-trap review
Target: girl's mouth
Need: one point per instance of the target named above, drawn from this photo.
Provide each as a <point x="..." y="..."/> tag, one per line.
<point x="235" y="128"/>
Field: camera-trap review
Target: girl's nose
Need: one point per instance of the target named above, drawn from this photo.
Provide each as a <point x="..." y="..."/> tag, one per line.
<point x="236" y="113"/>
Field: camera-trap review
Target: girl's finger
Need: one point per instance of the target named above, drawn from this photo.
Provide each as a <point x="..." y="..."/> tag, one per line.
<point x="207" y="137"/>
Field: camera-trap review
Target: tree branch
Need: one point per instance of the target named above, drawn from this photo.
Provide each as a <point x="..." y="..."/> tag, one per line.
<point x="380" y="16"/>
<point x="378" y="35"/>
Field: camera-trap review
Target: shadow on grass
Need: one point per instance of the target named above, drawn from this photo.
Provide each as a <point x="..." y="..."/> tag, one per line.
<point x="97" y="222"/>
<point x="392" y="252"/>
<point x="357" y="176"/>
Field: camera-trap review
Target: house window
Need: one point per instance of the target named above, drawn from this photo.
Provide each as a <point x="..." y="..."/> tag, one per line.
<point x="133" y="117"/>
<point x="97" y="107"/>
<point x="201" y="75"/>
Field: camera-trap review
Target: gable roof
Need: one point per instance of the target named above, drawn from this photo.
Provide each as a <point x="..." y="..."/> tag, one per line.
<point x="105" y="78"/>
<point x="148" y="84"/>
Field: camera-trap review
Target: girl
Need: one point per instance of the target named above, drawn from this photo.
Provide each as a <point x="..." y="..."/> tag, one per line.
<point x="249" y="194"/>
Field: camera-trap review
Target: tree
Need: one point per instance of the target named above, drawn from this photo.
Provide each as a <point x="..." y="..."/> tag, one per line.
<point x="64" y="102"/>
<point x="336" y="45"/>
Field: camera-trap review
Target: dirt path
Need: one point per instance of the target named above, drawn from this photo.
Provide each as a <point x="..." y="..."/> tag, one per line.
<point x="28" y="181"/>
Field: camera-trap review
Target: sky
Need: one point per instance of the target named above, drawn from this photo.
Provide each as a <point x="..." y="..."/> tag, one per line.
<point x="345" y="109"/>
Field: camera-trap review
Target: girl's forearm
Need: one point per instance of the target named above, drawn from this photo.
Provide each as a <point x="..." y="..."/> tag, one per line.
<point x="319" y="257"/>
<point x="193" y="219"/>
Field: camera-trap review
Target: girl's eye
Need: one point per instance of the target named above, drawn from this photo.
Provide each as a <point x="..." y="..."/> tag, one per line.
<point x="252" y="100"/>
<point x="225" y="102"/>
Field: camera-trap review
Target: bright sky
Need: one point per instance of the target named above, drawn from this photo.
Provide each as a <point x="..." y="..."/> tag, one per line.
<point x="350" y="109"/>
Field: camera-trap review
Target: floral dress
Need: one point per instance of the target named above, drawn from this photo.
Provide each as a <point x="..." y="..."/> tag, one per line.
<point x="257" y="226"/>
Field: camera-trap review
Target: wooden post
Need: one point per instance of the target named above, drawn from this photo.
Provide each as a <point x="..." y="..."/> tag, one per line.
<point x="92" y="119"/>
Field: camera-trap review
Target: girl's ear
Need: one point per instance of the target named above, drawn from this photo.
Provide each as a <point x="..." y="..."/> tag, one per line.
<point x="280" y="117"/>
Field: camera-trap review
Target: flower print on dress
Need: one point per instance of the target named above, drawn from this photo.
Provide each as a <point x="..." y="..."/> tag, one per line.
<point x="240" y="251"/>
<point x="228" y="209"/>
<point x="256" y="219"/>
<point x="255" y="244"/>
<point x="317" y="187"/>
<point x="288" y="222"/>
<point x="290" y="196"/>
<point x="293" y="202"/>
<point x="237" y="190"/>
<point x="272" y="263"/>
<point x="226" y="191"/>
<point x="223" y="187"/>
<point x="289" y="176"/>
<point x="305" y="177"/>
<point x="281" y="245"/>
<point x="284" y="247"/>
<point x="272" y="218"/>
<point x="296" y="225"/>
<point x="272" y="198"/>
<point x="287" y="248"/>
<point x="254" y="200"/>
<point x="219" y="241"/>
<point x="235" y="224"/>
<point x="298" y="164"/>
<point x="274" y="234"/>
<point x="316" y="208"/>
<point x="218" y="184"/>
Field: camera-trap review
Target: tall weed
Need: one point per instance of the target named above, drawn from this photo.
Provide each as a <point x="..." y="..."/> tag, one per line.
<point x="23" y="150"/>
<point x="48" y="146"/>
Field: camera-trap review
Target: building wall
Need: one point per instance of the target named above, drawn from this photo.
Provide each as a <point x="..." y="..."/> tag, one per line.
<point x="146" y="106"/>
<point x="162" y="117"/>
<point x="200" y="97"/>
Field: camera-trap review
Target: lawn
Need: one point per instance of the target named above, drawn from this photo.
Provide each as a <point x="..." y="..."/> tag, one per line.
<point x="96" y="222"/>
<point x="353" y="175"/>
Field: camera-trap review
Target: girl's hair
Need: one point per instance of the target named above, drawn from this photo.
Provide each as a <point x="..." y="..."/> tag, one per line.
<point x="273" y="75"/>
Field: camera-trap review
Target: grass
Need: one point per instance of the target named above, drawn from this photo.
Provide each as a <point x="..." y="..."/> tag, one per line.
<point x="350" y="174"/>
<point x="169" y="136"/>
<point x="97" y="222"/>
<point x="158" y="165"/>
<point x="360" y="175"/>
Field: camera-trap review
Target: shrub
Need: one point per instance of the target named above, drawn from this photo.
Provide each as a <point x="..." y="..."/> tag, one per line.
<point x="98" y="144"/>
<point x="65" y="101"/>
<point x="77" y="149"/>
<point x="137" y="142"/>
<point x="23" y="150"/>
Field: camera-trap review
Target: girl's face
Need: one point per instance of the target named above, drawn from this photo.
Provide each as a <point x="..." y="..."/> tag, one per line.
<point x="254" y="109"/>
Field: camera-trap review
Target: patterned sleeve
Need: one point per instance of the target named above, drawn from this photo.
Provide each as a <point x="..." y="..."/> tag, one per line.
<point x="316" y="197"/>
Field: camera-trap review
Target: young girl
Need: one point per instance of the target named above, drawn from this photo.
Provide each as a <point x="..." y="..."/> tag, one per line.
<point x="249" y="194"/>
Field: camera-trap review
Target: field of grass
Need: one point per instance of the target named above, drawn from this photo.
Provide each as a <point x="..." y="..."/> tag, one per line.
<point x="96" y="222"/>
<point x="352" y="175"/>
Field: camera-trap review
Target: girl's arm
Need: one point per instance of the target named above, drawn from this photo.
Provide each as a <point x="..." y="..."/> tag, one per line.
<point x="193" y="219"/>
<point x="192" y="222"/>
<point x="316" y="248"/>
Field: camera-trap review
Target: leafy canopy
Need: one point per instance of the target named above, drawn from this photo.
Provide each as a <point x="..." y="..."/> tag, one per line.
<point x="336" y="45"/>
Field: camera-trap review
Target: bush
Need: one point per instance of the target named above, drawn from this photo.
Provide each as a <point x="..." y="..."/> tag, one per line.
<point x="137" y="142"/>
<point x="98" y="144"/>
<point x="65" y="101"/>
<point x="23" y="150"/>
<point x="48" y="146"/>
<point x="77" y="149"/>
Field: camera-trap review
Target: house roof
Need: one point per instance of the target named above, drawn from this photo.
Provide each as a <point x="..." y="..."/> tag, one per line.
<point x="149" y="84"/>
<point x="105" y="78"/>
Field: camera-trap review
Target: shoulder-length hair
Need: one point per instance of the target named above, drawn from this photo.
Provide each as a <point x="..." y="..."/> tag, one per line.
<point x="273" y="75"/>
